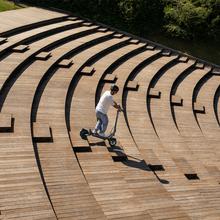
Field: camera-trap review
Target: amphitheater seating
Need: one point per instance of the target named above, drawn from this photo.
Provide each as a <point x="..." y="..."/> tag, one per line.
<point x="27" y="18"/>
<point x="53" y="69"/>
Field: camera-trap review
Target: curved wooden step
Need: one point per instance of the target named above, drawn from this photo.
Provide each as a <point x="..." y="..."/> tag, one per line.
<point x="26" y="19"/>
<point x="24" y="88"/>
<point x="90" y="161"/>
<point x="54" y="112"/>
<point x="30" y="36"/>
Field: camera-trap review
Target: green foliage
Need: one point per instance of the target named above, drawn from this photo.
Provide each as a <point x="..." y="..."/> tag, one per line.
<point x="141" y="15"/>
<point x="6" y="5"/>
<point x="186" y="19"/>
<point x="192" y="18"/>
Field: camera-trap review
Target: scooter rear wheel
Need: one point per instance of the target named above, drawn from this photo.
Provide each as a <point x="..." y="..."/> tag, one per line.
<point x="112" y="141"/>
<point x="84" y="133"/>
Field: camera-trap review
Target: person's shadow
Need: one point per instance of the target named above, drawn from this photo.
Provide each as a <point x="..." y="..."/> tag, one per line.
<point x="138" y="163"/>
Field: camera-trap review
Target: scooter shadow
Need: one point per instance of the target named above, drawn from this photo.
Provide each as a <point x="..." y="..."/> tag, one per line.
<point x="137" y="163"/>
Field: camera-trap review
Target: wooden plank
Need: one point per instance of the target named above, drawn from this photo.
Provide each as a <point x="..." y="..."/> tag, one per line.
<point x="166" y="53"/>
<point x="88" y="70"/>
<point x="154" y="93"/>
<point x="152" y="161"/>
<point x="43" y="56"/>
<point x="87" y="24"/>
<point x="3" y="40"/>
<point x="66" y="63"/>
<point x="6" y="123"/>
<point x="183" y="59"/>
<point x="150" y="47"/>
<point x="72" y="18"/>
<point x="134" y="41"/>
<point x="102" y="29"/>
<point x="118" y="35"/>
<point x="132" y="85"/>
<point x="21" y="48"/>
<point x="27" y="17"/>
<point x="110" y="78"/>
<point x="117" y="152"/>
<point x="199" y="108"/>
<point x="184" y="166"/>
<point x="199" y="65"/>
<point x="176" y="100"/>
<point x="42" y="132"/>
<point x="216" y="71"/>
<point x="214" y="171"/>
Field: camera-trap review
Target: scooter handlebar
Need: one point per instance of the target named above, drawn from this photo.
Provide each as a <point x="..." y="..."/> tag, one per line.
<point x="120" y="109"/>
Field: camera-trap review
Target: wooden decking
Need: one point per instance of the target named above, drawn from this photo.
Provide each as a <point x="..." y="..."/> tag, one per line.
<point x="53" y="70"/>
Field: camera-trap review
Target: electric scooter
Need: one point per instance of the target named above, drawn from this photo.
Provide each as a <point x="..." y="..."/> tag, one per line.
<point x="84" y="133"/>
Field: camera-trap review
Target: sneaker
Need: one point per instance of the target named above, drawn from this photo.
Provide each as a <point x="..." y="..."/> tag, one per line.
<point x="94" y="131"/>
<point x="102" y="134"/>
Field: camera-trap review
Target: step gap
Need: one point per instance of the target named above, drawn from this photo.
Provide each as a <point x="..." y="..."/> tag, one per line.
<point x="191" y="176"/>
<point x="156" y="167"/>
<point x="82" y="149"/>
<point x="119" y="158"/>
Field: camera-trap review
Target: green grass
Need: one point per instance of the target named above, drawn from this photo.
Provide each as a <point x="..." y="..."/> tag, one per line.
<point x="9" y="5"/>
<point x="205" y="50"/>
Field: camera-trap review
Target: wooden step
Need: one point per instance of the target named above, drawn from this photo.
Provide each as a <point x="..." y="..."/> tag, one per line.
<point x="152" y="160"/>
<point x="134" y="41"/>
<point x="42" y="132"/>
<point x="95" y="141"/>
<point x="117" y="152"/>
<point x="65" y="63"/>
<point x="103" y="29"/>
<point x="198" y="108"/>
<point x="216" y="71"/>
<point x="79" y="144"/>
<point x="186" y="168"/>
<point x="154" y="93"/>
<point x="87" y="24"/>
<point x="214" y="171"/>
<point x="110" y="78"/>
<point x="176" y="100"/>
<point x="43" y="56"/>
<point x="150" y="47"/>
<point x="132" y="85"/>
<point x="88" y="71"/>
<point x="6" y="123"/>
<point x="199" y="65"/>
<point x="183" y="59"/>
<point x="118" y="35"/>
<point x="72" y="18"/>
<point x="166" y="53"/>
<point x="3" y="40"/>
<point x="21" y="48"/>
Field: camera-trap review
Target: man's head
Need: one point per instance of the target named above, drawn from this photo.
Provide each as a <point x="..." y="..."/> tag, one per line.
<point x="114" y="89"/>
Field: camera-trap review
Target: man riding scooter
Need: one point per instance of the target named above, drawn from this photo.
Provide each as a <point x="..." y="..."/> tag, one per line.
<point x="104" y="103"/>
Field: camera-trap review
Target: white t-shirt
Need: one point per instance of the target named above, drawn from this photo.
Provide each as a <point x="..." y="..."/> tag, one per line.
<point x="104" y="103"/>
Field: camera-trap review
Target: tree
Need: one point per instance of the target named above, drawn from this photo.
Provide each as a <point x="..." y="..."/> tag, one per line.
<point x="192" y="18"/>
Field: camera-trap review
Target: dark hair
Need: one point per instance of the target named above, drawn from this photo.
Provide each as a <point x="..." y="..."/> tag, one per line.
<point x="114" y="88"/>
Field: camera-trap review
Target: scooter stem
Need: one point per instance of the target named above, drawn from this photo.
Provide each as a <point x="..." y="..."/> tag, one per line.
<point x="116" y="121"/>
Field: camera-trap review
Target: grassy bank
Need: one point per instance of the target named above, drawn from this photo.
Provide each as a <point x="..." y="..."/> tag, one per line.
<point x="9" y="5"/>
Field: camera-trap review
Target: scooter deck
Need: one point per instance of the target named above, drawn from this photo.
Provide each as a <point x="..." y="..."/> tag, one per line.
<point x="98" y="136"/>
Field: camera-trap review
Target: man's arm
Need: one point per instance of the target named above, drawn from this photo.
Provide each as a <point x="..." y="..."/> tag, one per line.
<point x="115" y="105"/>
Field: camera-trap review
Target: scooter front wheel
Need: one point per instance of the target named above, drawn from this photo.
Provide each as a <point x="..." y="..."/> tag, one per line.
<point x="84" y="133"/>
<point x="112" y="141"/>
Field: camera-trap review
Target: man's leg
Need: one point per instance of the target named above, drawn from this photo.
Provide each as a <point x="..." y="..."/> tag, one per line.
<point x="99" y="122"/>
<point x="104" y="119"/>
